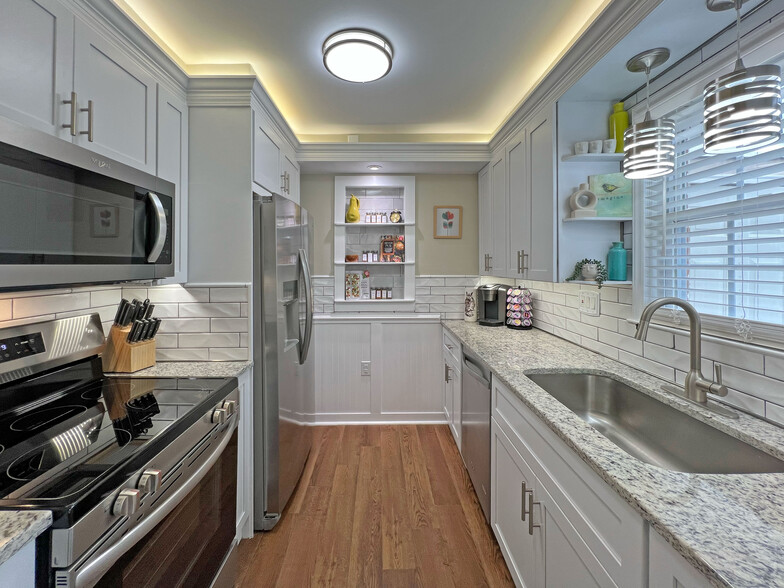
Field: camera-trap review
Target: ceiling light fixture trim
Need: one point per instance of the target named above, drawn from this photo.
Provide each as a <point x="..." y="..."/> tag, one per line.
<point x="357" y="55"/>
<point x="375" y="167"/>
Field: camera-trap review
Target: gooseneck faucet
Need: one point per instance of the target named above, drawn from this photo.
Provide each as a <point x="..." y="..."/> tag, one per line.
<point x="696" y="387"/>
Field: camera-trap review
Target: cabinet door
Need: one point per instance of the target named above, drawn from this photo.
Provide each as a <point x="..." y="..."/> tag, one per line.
<point x="512" y="480"/>
<point x="266" y="158"/>
<point x="541" y="252"/>
<point x="668" y="569"/>
<point x="291" y="178"/>
<point x="519" y="219"/>
<point x="448" y="387"/>
<point x="172" y="150"/>
<point x="245" y="456"/>
<point x="498" y="207"/>
<point x="485" y="221"/>
<point x="456" y="423"/>
<point x="123" y="101"/>
<point x="36" y="63"/>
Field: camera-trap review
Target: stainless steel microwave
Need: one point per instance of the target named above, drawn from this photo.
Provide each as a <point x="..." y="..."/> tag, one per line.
<point x="70" y="216"/>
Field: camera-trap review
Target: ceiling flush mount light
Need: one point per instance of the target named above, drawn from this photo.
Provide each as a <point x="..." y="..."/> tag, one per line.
<point x="374" y="167"/>
<point x="357" y="55"/>
<point x="742" y="109"/>
<point x="649" y="146"/>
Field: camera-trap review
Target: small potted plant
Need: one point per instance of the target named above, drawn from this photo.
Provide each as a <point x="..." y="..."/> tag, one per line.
<point x="589" y="269"/>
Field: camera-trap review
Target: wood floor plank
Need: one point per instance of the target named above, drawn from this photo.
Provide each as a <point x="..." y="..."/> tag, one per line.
<point x="374" y="509"/>
<point x="365" y="564"/>
<point x="397" y="542"/>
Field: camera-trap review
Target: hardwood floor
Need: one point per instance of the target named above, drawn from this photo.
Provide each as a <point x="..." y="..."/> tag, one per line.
<point x="388" y="505"/>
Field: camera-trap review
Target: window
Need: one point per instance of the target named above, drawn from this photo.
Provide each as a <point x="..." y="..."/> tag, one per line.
<point x="714" y="231"/>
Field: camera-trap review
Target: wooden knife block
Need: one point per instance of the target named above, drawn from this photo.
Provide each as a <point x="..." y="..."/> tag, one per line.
<point x="122" y="357"/>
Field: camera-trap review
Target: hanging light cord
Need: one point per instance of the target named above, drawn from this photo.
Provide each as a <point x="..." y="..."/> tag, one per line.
<point x="647" y="93"/>
<point x="739" y="61"/>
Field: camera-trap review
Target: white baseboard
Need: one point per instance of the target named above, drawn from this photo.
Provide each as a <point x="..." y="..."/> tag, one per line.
<point x="396" y="418"/>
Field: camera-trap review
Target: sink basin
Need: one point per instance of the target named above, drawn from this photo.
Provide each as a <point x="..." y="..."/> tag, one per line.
<point x="653" y="431"/>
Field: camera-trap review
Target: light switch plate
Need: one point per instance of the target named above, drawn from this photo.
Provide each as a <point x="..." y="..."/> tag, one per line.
<point x="365" y="368"/>
<point x="589" y="302"/>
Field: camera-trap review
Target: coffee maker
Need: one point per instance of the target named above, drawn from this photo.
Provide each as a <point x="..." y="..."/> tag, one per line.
<point x="492" y="304"/>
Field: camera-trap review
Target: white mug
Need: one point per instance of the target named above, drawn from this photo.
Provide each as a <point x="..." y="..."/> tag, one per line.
<point x="595" y="147"/>
<point x="581" y="148"/>
<point x="609" y="146"/>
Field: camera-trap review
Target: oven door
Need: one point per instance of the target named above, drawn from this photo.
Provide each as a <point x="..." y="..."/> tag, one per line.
<point x="70" y="217"/>
<point x="185" y="539"/>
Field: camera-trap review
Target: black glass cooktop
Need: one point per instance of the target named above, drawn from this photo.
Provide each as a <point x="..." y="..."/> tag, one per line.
<point x="78" y="431"/>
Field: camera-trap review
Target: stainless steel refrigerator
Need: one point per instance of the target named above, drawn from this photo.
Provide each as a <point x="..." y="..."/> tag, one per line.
<point x="284" y="385"/>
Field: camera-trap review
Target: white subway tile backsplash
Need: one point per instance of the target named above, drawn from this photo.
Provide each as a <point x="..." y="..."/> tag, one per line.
<point x="178" y="294"/>
<point x="230" y="294"/>
<point x="229" y="325"/>
<point x="726" y="355"/>
<point x="625" y="296"/>
<point x="185" y="325"/>
<point x="38" y="305"/>
<point x="621" y="341"/>
<point x="622" y="311"/>
<point x="105" y="297"/>
<point x="244" y="309"/>
<point x="567" y="312"/>
<point x="209" y="340"/>
<point x="754" y="384"/>
<point x="647" y="365"/>
<point x="429" y="281"/>
<point x="166" y="341"/>
<point x="166" y="310"/>
<point x="210" y="309"/>
<point x="608" y="293"/>
<point x="454" y="290"/>
<point x="774" y="367"/>
<point x="244" y="340"/>
<point x="671" y="357"/>
<point x="131" y="292"/>
<point x="581" y="329"/>
<point x="744" y="402"/>
<point x="568" y="335"/>
<point x="608" y="323"/>
<point x="225" y="354"/>
<point x="600" y="347"/>
<point x="774" y="412"/>
<point x="182" y="354"/>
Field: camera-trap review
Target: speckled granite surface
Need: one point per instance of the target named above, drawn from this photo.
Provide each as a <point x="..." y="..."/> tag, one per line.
<point x="192" y="369"/>
<point x="730" y="527"/>
<point x="18" y="528"/>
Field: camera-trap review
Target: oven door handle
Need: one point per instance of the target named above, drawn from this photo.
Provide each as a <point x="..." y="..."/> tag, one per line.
<point x="91" y="572"/>
<point x="161" y="227"/>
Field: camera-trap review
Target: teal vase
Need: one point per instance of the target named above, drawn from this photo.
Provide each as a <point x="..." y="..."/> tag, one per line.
<point x="616" y="262"/>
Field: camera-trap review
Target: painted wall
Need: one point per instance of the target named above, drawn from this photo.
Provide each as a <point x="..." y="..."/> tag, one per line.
<point x="434" y="256"/>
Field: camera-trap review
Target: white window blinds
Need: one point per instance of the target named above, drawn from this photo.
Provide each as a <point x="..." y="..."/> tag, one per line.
<point x="714" y="229"/>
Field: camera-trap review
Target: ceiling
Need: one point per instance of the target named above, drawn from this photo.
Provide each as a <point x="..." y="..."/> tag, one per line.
<point x="460" y="68"/>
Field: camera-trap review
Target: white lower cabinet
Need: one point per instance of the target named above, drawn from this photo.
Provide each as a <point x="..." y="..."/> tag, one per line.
<point x="245" y="457"/>
<point x="582" y="533"/>
<point x="668" y="568"/>
<point x="453" y="387"/>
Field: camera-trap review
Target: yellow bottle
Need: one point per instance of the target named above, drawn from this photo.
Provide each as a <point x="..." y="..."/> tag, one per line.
<point x="352" y="214"/>
<point x="619" y="122"/>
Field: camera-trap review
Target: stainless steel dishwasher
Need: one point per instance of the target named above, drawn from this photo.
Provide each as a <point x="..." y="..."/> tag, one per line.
<point x="476" y="426"/>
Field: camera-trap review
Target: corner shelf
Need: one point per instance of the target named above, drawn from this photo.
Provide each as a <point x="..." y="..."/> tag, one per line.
<point x="387" y="263"/>
<point x="595" y="219"/>
<point x="405" y="224"/>
<point x="594" y="157"/>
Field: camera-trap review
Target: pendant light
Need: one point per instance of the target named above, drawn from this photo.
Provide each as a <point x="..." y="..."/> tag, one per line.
<point x="649" y="146"/>
<point x="742" y="109"/>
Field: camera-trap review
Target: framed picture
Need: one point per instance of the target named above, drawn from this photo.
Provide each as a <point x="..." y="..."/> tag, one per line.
<point x="104" y="221"/>
<point x="447" y="222"/>
<point x="613" y="194"/>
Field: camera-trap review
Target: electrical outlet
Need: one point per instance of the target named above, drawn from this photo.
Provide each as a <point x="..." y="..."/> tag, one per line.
<point x="365" y="368"/>
<point x="589" y="302"/>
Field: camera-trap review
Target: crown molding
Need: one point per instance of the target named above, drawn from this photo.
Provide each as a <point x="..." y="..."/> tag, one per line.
<point x="232" y="91"/>
<point x="282" y="126"/>
<point x="397" y="152"/>
<point x="613" y="24"/>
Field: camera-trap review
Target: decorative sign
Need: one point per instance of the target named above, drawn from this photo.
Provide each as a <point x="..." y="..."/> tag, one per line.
<point x="447" y="222"/>
<point x="613" y="194"/>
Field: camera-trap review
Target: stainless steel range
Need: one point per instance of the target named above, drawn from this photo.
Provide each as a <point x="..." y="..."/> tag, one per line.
<point x="140" y="474"/>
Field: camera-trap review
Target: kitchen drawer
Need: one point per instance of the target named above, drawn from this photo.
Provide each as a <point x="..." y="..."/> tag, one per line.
<point x="452" y="347"/>
<point x="614" y="532"/>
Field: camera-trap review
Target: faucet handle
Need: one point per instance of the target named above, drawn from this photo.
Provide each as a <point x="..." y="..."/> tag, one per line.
<point x="717" y="369"/>
<point x="717" y="388"/>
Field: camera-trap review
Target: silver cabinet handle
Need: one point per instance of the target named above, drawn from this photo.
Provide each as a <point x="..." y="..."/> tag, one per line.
<point x="89" y="111"/>
<point x="160" y="225"/>
<point x="72" y="125"/>
<point x="283" y="182"/>
<point x="520" y="262"/>
<point x="523" y="257"/>
<point x="288" y="183"/>
<point x="447" y="379"/>
<point x="531" y="513"/>
<point x="489" y="262"/>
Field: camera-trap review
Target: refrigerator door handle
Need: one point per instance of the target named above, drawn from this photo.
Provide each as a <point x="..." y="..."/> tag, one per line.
<point x="306" y="337"/>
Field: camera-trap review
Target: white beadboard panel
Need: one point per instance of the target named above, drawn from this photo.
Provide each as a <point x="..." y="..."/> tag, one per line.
<point x="182" y="354"/>
<point x="210" y="309"/>
<point x="38" y="305"/>
<point x="408" y="370"/>
<point x="227" y="354"/>
<point x="5" y="310"/>
<point x="340" y="387"/>
<point x="228" y="294"/>
<point x="229" y="325"/>
<point x="185" y="325"/>
<point x="209" y="340"/>
<point x="105" y="297"/>
<point x="178" y="294"/>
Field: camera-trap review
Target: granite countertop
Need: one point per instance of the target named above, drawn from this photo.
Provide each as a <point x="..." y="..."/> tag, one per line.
<point x="730" y="527"/>
<point x="18" y="528"/>
<point x="191" y="369"/>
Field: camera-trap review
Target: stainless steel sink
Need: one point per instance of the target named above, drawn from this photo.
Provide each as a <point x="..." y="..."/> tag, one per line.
<point x="653" y="431"/>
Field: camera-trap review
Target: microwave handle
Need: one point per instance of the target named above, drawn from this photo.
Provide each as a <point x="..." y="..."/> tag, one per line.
<point x="160" y="227"/>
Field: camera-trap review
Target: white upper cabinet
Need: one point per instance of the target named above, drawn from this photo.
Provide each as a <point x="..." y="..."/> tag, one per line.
<point x="539" y="259"/>
<point x="485" y="222"/>
<point x="121" y="121"/>
<point x="36" y="63"/>
<point x="290" y="172"/>
<point x="519" y="206"/>
<point x="172" y="151"/>
<point x="266" y="156"/>
<point x="498" y="208"/>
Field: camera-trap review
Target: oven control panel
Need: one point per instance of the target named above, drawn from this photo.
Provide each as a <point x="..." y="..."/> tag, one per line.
<point x="23" y="346"/>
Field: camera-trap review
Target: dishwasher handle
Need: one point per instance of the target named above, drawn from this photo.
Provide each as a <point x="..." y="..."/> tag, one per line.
<point x="475" y="371"/>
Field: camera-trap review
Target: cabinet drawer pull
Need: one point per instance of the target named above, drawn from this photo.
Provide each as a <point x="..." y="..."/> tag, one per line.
<point x="531" y="513"/>
<point x="283" y="182"/>
<point x="72" y="125"/>
<point x="89" y="111"/>
<point x="523" y="264"/>
<point x="489" y="262"/>
<point x="522" y="497"/>
<point x="446" y="373"/>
